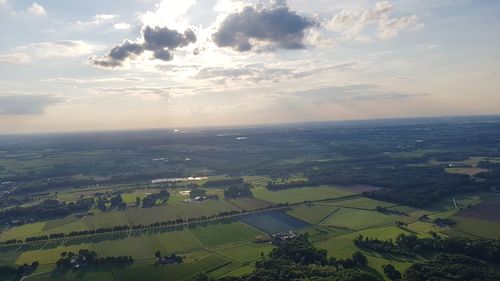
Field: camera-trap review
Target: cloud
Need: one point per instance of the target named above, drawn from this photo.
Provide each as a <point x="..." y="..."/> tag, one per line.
<point x="261" y="72"/>
<point x="266" y="28"/>
<point x="37" y="9"/>
<point x="121" y="26"/>
<point x="161" y="41"/>
<point x="26" y="104"/>
<point x="46" y="50"/>
<point x="351" y="93"/>
<point x="355" y="25"/>
<point x="96" y="20"/>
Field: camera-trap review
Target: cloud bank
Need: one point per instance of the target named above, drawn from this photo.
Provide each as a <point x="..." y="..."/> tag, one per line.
<point x="161" y="41"/>
<point x="353" y="25"/>
<point x="265" y="29"/>
<point x="26" y="104"/>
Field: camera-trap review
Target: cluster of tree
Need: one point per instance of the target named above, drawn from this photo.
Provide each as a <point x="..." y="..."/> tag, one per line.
<point x="444" y="221"/>
<point x="298" y="260"/>
<point x="223" y="182"/>
<point x="410" y="245"/>
<point x="451" y="267"/>
<point x="404" y="184"/>
<point x="391" y="272"/>
<point x="47" y="209"/>
<point x="151" y="200"/>
<point x="14" y="201"/>
<point x="386" y="246"/>
<point x="198" y="192"/>
<point x="83" y="258"/>
<point x="237" y="191"/>
<point x="275" y="186"/>
<point x="387" y="211"/>
<point x="16" y="273"/>
<point x="170" y="259"/>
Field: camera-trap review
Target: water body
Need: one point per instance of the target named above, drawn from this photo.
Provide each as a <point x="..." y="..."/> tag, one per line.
<point x="273" y="222"/>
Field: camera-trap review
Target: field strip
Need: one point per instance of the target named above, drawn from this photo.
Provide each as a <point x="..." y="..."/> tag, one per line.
<point x="327" y="216"/>
<point x="187" y="223"/>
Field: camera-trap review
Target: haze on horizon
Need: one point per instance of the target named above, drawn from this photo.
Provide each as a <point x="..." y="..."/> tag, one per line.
<point x="98" y="65"/>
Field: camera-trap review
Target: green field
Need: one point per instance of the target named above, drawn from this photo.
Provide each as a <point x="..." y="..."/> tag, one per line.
<point x="342" y="246"/>
<point x="361" y="203"/>
<point x="358" y="219"/>
<point x="312" y="213"/>
<point x="84" y="275"/>
<point x="468" y="227"/>
<point x="139" y="245"/>
<point x="295" y="195"/>
<point x="171" y="272"/>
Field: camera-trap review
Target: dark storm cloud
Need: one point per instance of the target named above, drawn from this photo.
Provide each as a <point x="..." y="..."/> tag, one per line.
<point x="16" y="104"/>
<point x="278" y="27"/>
<point x="159" y="40"/>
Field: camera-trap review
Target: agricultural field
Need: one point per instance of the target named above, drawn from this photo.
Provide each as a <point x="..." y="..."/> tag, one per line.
<point x="294" y="195"/>
<point x="358" y="219"/>
<point x="334" y="183"/>
<point x="172" y="272"/>
<point x="140" y="245"/>
<point x="312" y="213"/>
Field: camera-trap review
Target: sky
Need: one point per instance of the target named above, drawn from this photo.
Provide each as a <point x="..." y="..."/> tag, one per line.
<point x="133" y="64"/>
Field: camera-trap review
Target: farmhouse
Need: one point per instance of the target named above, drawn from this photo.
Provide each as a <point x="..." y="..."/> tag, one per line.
<point x="278" y="238"/>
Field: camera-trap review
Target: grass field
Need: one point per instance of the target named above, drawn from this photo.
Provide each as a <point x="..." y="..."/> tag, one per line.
<point x="249" y="203"/>
<point x="312" y="213"/>
<point x="171" y="272"/>
<point x="358" y="219"/>
<point x="361" y="203"/>
<point x="139" y="245"/>
<point x="475" y="228"/>
<point x="84" y="275"/>
<point x="342" y="246"/>
<point x="294" y="195"/>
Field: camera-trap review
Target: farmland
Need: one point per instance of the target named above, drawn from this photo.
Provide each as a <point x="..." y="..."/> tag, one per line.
<point x="64" y="194"/>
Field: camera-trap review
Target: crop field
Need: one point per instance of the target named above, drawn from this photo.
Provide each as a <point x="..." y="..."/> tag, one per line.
<point x="128" y="217"/>
<point x="244" y="251"/>
<point x="171" y="272"/>
<point x="273" y="222"/>
<point x="86" y="275"/>
<point x="489" y="211"/>
<point x="361" y="203"/>
<point x="312" y="213"/>
<point x="419" y="166"/>
<point x="475" y="228"/>
<point x="358" y="219"/>
<point x="342" y="246"/>
<point x="295" y="195"/>
<point x="139" y="245"/>
<point x="249" y="203"/>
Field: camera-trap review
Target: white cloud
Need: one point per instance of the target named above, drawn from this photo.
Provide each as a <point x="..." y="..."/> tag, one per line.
<point x="121" y="26"/>
<point x="97" y="20"/>
<point x="359" y="25"/>
<point x="45" y="50"/>
<point x="37" y="9"/>
<point x="169" y="13"/>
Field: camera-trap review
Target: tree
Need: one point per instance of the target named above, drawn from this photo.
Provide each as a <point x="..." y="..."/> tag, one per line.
<point x="116" y="201"/>
<point x="391" y="272"/>
<point x="158" y="254"/>
<point x="359" y="258"/>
